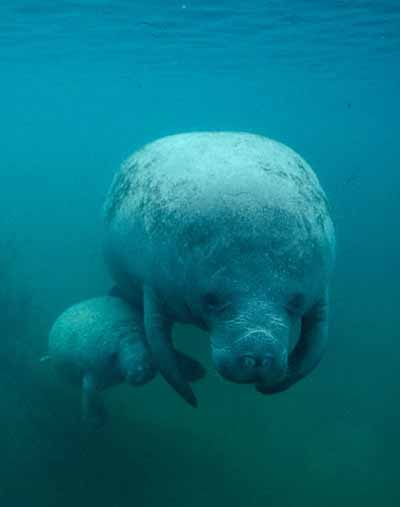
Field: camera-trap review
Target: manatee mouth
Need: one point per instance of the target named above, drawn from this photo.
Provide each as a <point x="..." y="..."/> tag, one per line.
<point x="271" y="389"/>
<point x="262" y="364"/>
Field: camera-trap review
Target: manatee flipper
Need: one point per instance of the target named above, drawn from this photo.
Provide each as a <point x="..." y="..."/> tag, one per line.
<point x="191" y="369"/>
<point x="310" y="348"/>
<point x="158" y="333"/>
<point x="93" y="410"/>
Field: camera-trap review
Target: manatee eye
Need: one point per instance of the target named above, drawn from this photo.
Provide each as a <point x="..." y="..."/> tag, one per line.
<point x="113" y="359"/>
<point x="213" y="303"/>
<point x="295" y="304"/>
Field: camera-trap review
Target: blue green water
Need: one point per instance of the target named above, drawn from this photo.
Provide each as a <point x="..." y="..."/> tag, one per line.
<point x="82" y="85"/>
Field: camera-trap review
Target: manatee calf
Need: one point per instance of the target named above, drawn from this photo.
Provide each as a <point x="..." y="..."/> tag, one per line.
<point x="230" y="232"/>
<point x="99" y="343"/>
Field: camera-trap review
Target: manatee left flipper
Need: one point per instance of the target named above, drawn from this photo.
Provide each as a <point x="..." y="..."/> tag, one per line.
<point x="93" y="410"/>
<point x="191" y="369"/>
<point x="310" y="348"/>
<point x="158" y="333"/>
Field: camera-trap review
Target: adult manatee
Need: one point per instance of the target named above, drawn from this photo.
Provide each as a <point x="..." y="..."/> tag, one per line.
<point x="230" y="232"/>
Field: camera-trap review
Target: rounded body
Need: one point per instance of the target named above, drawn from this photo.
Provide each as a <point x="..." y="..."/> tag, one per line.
<point x="102" y="337"/>
<point x="233" y="232"/>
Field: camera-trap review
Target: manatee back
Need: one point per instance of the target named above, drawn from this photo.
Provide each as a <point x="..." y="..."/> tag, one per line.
<point x="180" y="173"/>
<point x="199" y="192"/>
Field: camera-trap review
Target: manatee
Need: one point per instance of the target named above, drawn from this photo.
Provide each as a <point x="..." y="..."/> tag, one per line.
<point x="99" y="343"/>
<point x="230" y="232"/>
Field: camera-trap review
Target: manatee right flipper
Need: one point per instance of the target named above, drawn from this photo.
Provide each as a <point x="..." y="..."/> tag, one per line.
<point x="191" y="369"/>
<point x="158" y="333"/>
<point x="93" y="410"/>
<point x="310" y="348"/>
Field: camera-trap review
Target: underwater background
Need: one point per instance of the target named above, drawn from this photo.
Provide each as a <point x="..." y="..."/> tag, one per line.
<point x="85" y="83"/>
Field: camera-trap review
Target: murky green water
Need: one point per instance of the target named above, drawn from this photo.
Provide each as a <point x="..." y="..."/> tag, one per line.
<point x="85" y="83"/>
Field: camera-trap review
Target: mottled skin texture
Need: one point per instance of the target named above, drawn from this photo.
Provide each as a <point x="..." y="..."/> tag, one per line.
<point x="230" y="232"/>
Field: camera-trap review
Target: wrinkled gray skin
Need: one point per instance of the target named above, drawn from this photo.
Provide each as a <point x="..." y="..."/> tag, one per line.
<point x="230" y="232"/>
<point x="99" y="343"/>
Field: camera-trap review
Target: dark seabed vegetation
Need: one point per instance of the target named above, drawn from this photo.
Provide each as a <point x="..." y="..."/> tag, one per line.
<point x="85" y="83"/>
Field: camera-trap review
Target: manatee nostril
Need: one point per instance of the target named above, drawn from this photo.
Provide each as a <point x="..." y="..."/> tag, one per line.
<point x="248" y="361"/>
<point x="267" y="361"/>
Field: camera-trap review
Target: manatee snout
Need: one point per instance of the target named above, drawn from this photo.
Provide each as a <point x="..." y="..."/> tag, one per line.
<point x="137" y="365"/>
<point x="256" y="358"/>
<point x="141" y="374"/>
